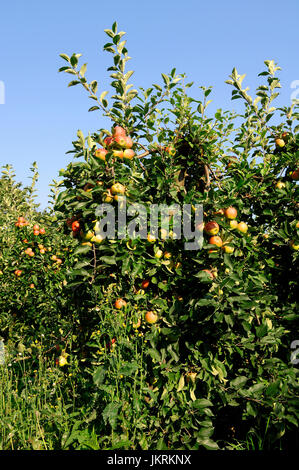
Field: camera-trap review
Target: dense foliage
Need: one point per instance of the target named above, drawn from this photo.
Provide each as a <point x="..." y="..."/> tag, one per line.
<point x="179" y="349"/>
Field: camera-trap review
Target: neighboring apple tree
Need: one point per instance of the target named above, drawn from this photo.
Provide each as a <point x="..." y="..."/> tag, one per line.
<point x="33" y="263"/>
<point x="197" y="353"/>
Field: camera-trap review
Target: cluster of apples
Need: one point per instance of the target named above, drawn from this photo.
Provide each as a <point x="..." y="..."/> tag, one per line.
<point x="212" y="228"/>
<point x="18" y="272"/>
<point x="150" y="316"/>
<point x="280" y="142"/>
<point x="21" y="222"/>
<point x="120" y="144"/>
<point x="116" y="193"/>
<point x="29" y="252"/>
<point x="38" y="231"/>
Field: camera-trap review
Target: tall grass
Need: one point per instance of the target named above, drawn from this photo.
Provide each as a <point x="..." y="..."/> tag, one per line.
<point x="37" y="405"/>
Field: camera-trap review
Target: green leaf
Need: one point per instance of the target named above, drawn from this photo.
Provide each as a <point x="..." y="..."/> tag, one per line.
<point x="83" y="70"/>
<point x="73" y="82"/>
<point x="181" y="383"/>
<point x="238" y="382"/>
<point x="208" y="444"/>
<point x="202" y="403"/>
<point x="110" y="414"/>
<point x="99" y="376"/>
<point x="108" y="259"/>
<point x="65" y="57"/>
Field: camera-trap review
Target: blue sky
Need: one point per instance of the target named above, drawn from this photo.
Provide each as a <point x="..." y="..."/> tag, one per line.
<point x="203" y="39"/>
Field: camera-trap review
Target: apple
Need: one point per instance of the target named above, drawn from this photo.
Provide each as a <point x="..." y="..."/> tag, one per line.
<point x="210" y="273"/>
<point x="279" y="142"/>
<point x="118" y="154"/>
<point x="128" y="142"/>
<point x="159" y="254"/>
<point x="87" y="236"/>
<point x="297" y="224"/>
<point x="117" y="188"/>
<point x="120" y="303"/>
<point x="233" y="224"/>
<point x="101" y="154"/>
<point x="280" y="185"/>
<point x="145" y="284"/>
<point x="108" y="141"/>
<point x="294" y="246"/>
<point x="228" y="249"/>
<point x="151" y="238"/>
<point x="215" y="240"/>
<point x="129" y="154"/>
<point x="163" y="233"/>
<point x="242" y="227"/>
<point x="18" y="272"/>
<point x="35" y="227"/>
<point x="295" y="175"/>
<point x="120" y="198"/>
<point x="97" y="239"/>
<point x="75" y="226"/>
<point x="211" y="228"/>
<point x="35" y="232"/>
<point x="151" y="317"/>
<point x="170" y="150"/>
<point x="231" y="213"/>
<point x="200" y="227"/>
<point x="219" y="212"/>
<point x="120" y="141"/>
<point x="137" y="325"/>
<point x="118" y="131"/>
<point x="108" y="197"/>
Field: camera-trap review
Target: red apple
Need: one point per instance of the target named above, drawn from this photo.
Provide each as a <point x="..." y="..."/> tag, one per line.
<point x="279" y="142"/>
<point x="216" y="241"/>
<point x="242" y="227"/>
<point x="230" y="213"/>
<point x="128" y="142"/>
<point x="209" y="273"/>
<point x="151" y="317"/>
<point x="108" y="141"/>
<point x="101" y="153"/>
<point x="118" y="154"/>
<point x="120" y="140"/>
<point x="129" y="154"/>
<point x="295" y="175"/>
<point x="118" y="131"/>
<point x="211" y="228"/>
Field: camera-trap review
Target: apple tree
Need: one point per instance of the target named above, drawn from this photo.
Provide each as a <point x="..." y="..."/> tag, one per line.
<point x="188" y="348"/>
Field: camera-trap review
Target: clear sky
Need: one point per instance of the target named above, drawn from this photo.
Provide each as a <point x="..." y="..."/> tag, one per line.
<point x="204" y="39"/>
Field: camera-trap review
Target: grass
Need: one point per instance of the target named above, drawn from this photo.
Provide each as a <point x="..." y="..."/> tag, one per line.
<point x="37" y="405"/>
